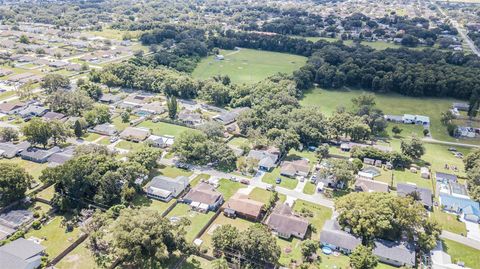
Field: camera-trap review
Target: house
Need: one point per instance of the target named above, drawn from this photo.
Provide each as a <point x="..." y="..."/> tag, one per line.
<point x="266" y="160"/>
<point x="165" y="189"/>
<point x="11" y="108"/>
<point x="394" y="118"/>
<point x="9" y="150"/>
<point x="109" y="98"/>
<point x="424" y="194"/>
<point x="367" y="185"/>
<point x="38" y="155"/>
<point x="228" y="117"/>
<point x="368" y="161"/>
<point x="135" y="100"/>
<point x="161" y="141"/>
<point x="12" y="220"/>
<point x="58" y="64"/>
<point x="460" y="106"/>
<point x="295" y="168"/>
<point x="425" y="173"/>
<point x="53" y="116"/>
<point x="348" y="146"/>
<point x="283" y="222"/>
<point x="135" y="134"/>
<point x="104" y="129"/>
<point x="61" y="157"/>
<point x="21" y="254"/>
<point x="416" y="119"/>
<point x="445" y="178"/>
<point x="334" y="237"/>
<point x="154" y="108"/>
<point x="458" y="190"/>
<point x="394" y="253"/>
<point x="203" y="197"/>
<point x="33" y="111"/>
<point x="5" y="72"/>
<point x="190" y="117"/>
<point x="468" y="208"/>
<point x="441" y="260"/>
<point x="242" y="206"/>
<point x="365" y="175"/>
<point x="466" y="131"/>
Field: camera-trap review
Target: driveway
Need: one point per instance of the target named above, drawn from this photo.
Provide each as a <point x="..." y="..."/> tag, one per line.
<point x="473" y="230"/>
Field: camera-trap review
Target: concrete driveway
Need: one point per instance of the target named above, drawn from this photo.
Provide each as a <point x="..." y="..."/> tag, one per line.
<point x="473" y="230"/>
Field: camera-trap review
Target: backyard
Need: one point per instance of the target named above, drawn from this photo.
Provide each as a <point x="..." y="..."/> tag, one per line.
<point x="198" y="220"/>
<point x="173" y="172"/>
<point x="448" y="221"/>
<point x="264" y="196"/>
<point x="163" y="128"/>
<point x="286" y="182"/>
<point x="315" y="214"/>
<point x="80" y="258"/>
<point x="248" y="65"/>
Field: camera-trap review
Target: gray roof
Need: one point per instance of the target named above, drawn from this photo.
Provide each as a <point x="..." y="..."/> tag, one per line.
<point x="173" y="185"/>
<point x="110" y="98"/>
<point x="425" y="194"/>
<point x="458" y="189"/>
<point x="334" y="235"/>
<point x="401" y="252"/>
<point x="284" y="221"/>
<point x="20" y="254"/>
<point x="106" y="128"/>
<point x="53" y="116"/>
<point x="36" y="154"/>
<point x="62" y="157"/>
<point x="33" y="110"/>
<point x="445" y="177"/>
<point x="264" y="157"/>
<point x="15" y="218"/>
<point x="10" y="149"/>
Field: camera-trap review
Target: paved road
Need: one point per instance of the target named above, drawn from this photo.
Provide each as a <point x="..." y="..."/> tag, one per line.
<point x="433" y="140"/>
<point x="461" y="239"/>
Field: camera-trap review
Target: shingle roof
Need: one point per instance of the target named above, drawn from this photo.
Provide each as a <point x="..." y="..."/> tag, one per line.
<point x="368" y="185"/>
<point x="284" y="221"/>
<point x="401" y="252"/>
<point x="334" y="235"/>
<point x="445" y="177"/>
<point x="242" y="204"/>
<point x="203" y="193"/>
<point x="425" y="194"/>
<point x="173" y="185"/>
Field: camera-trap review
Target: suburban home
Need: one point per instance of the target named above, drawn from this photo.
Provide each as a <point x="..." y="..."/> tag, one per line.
<point x="10" y="150"/>
<point x="135" y="134"/>
<point x="468" y="208"/>
<point x="240" y="205"/>
<point x="461" y="106"/>
<point x="445" y="178"/>
<point x="424" y="194"/>
<point x="190" y="117"/>
<point x="295" y="168"/>
<point x="53" y="116"/>
<point x="38" y="155"/>
<point x="21" y="254"/>
<point x="203" y="197"/>
<point x="12" y="220"/>
<point x="165" y="189"/>
<point x="5" y="72"/>
<point x="33" y="111"/>
<point x="61" y="157"/>
<point x="367" y="185"/>
<point x="11" y="108"/>
<point x="364" y="175"/>
<point x="334" y="237"/>
<point x="135" y="100"/>
<point x="266" y="160"/>
<point x="161" y="141"/>
<point x="458" y="190"/>
<point x="441" y="260"/>
<point x="154" y="108"/>
<point x="228" y="117"/>
<point x="394" y="118"/>
<point x="105" y="129"/>
<point x="283" y="222"/>
<point x="368" y="161"/>
<point x="109" y="98"/>
<point x="425" y="172"/>
<point x="416" y="119"/>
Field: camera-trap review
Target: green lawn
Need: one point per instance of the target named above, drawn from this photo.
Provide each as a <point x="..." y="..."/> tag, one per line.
<point x="92" y="137"/>
<point x="286" y="182"/>
<point x="47" y="193"/>
<point x="104" y="141"/>
<point x="405" y="176"/>
<point x="239" y="141"/>
<point x="329" y="100"/>
<point x="54" y="237"/>
<point x="448" y="222"/>
<point x="290" y="251"/>
<point x="196" y="262"/>
<point x="198" y="220"/>
<point x="309" y="188"/>
<point x="460" y="252"/>
<point x="34" y="169"/>
<point x="228" y="188"/>
<point x="199" y="178"/>
<point x="320" y="214"/>
<point x="144" y="201"/>
<point x="129" y="145"/>
<point x="263" y="196"/>
<point x="80" y="258"/>
<point x="120" y="125"/>
<point x="162" y="128"/>
<point x="41" y="208"/>
<point x="241" y="224"/>
<point x="173" y="172"/>
<point x="247" y="65"/>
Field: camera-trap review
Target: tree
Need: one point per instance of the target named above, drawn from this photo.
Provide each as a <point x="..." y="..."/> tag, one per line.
<point x="53" y="82"/>
<point x="212" y="129"/>
<point x="146" y="156"/>
<point x="472" y="159"/>
<point x="413" y="148"/>
<point x="447" y="117"/>
<point x="308" y="248"/>
<point x="37" y="131"/>
<point x="8" y="134"/>
<point x="172" y="107"/>
<point x="322" y="152"/>
<point x="78" y="129"/>
<point x="93" y="90"/>
<point x="125" y="116"/>
<point x="220" y="263"/>
<point x="14" y="182"/>
<point x="59" y="131"/>
<point x="363" y="258"/>
<point x="396" y="130"/>
<point x="225" y="237"/>
<point x="24" y="39"/>
<point x="100" y="114"/>
<point x="25" y="91"/>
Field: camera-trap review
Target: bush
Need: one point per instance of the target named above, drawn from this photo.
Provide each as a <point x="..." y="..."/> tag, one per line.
<point x="36" y="225"/>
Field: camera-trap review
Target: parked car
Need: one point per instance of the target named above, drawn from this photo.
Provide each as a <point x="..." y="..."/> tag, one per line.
<point x="113" y="139"/>
<point x="278" y="180"/>
<point x="270" y="187"/>
<point x="452" y="149"/>
<point x="245" y="181"/>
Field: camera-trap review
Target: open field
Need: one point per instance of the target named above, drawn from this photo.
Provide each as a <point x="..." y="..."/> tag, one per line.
<point x="54" y="237"/>
<point x="263" y="196"/>
<point x="162" y="128"/>
<point x="198" y="220"/>
<point x="80" y="258"/>
<point x="239" y="141"/>
<point x="129" y="145"/>
<point x="329" y="100"/>
<point x="114" y="34"/>
<point x="228" y="188"/>
<point x="462" y="253"/>
<point x="247" y="65"/>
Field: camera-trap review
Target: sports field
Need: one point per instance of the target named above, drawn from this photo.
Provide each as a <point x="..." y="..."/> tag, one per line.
<point x="247" y="65"/>
<point x="329" y="100"/>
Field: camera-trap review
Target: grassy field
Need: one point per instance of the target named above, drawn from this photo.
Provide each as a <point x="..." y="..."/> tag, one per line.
<point x="247" y="65"/>
<point x="329" y="100"/>
<point x="320" y="214"/>
<point x="460" y="252"/>
<point x="80" y="258"/>
<point x="199" y="178"/>
<point x="239" y="141"/>
<point x="162" y="128"/>
<point x="228" y="188"/>
<point x="128" y="145"/>
<point x="196" y="262"/>
<point x="114" y="34"/>
<point x="47" y="193"/>
<point x="286" y="182"/>
<point x="34" y="169"/>
<point x="198" y="220"/>
<point x="90" y="137"/>
<point x="54" y="237"/>
<point x="309" y="188"/>
<point x="448" y="221"/>
<point x="241" y="224"/>
<point x="263" y="196"/>
<point x="173" y="172"/>
<point x="144" y="201"/>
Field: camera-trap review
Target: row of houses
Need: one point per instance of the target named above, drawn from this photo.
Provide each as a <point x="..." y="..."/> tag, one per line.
<point x="409" y="119"/>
